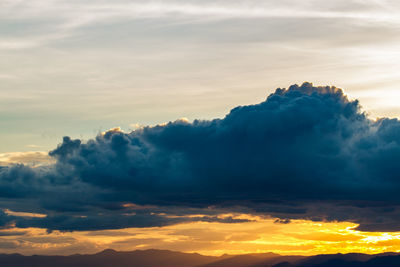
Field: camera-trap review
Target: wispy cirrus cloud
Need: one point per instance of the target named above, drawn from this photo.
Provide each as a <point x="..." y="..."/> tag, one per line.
<point x="63" y="18"/>
<point x="50" y="51"/>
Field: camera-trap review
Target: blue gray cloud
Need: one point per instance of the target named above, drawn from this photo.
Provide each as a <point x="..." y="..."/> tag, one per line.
<point x="304" y="153"/>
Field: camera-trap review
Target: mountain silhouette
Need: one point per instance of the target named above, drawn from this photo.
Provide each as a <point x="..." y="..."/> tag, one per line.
<point x="166" y="258"/>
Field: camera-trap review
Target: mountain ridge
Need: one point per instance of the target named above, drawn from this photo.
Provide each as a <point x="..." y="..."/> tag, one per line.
<point x="168" y="258"/>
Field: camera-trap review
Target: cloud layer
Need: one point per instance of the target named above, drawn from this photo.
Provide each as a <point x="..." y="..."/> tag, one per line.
<point x="305" y="153"/>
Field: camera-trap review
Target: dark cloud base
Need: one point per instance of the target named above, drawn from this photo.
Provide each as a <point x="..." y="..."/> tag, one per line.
<point x="305" y="153"/>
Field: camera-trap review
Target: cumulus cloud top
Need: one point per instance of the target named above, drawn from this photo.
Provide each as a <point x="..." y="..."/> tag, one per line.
<point x="276" y="158"/>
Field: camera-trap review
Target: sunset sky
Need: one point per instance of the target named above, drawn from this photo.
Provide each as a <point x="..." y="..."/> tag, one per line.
<point x="158" y="124"/>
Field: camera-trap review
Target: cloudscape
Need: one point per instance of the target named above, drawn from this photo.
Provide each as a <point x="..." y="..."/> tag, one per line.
<point x="305" y="153"/>
<point x="277" y="157"/>
<point x="254" y="133"/>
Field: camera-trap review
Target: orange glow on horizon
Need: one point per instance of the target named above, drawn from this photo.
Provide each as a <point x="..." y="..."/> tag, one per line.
<point x="299" y="237"/>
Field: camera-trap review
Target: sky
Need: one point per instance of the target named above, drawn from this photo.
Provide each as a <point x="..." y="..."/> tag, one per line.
<point x="158" y="124"/>
<point x="81" y="67"/>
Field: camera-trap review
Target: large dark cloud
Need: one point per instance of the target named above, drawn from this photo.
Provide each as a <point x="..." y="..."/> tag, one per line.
<point x="305" y="152"/>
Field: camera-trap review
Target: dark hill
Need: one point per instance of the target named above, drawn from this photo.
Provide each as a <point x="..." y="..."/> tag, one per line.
<point x="166" y="258"/>
<point x="111" y="258"/>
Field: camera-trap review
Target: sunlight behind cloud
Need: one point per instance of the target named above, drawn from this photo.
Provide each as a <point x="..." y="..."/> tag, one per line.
<point x="299" y="237"/>
<point x="213" y="154"/>
<point x="30" y="158"/>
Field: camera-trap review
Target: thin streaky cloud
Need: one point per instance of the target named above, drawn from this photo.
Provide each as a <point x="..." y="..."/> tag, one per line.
<point x="68" y="17"/>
